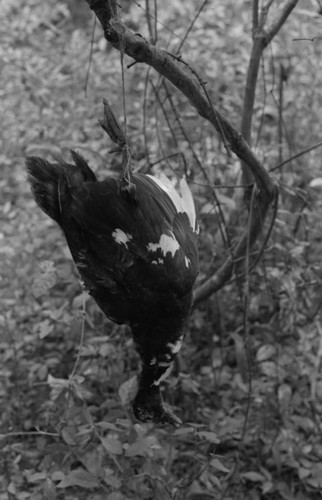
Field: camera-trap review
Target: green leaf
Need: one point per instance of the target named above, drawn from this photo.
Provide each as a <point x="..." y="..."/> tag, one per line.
<point x="216" y="464"/>
<point x="115" y="495"/>
<point x="79" y="477"/>
<point x="49" y="490"/>
<point x="303" y="473"/>
<point x="255" y="477"/>
<point x="37" y="477"/>
<point x="69" y="435"/>
<point x="112" y="445"/>
<point x="141" y="447"/>
<point x="267" y="487"/>
<point x="128" y="390"/>
<point x="209" y="436"/>
<point x="45" y="328"/>
<point x="183" y="430"/>
<point x="265" y="352"/>
<point x="112" y="480"/>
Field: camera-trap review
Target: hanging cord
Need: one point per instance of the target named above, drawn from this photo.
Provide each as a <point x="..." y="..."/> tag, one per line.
<point x="90" y="57"/>
<point x="127" y="163"/>
<point x="112" y="127"/>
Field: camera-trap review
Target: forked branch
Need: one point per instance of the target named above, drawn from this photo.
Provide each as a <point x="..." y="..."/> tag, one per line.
<point x="185" y="80"/>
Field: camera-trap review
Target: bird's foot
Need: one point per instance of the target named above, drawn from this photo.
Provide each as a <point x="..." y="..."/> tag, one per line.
<point x="152" y="409"/>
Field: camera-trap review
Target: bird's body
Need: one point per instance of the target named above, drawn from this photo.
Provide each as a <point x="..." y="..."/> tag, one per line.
<point x="136" y="251"/>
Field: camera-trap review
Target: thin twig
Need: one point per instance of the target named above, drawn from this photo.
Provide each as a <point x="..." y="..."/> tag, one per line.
<point x="28" y="433"/>
<point x="189" y="29"/>
<point x="298" y="155"/>
<point x="90" y="57"/>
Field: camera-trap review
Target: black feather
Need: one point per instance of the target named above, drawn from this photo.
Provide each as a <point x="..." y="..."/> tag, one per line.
<point x="137" y="256"/>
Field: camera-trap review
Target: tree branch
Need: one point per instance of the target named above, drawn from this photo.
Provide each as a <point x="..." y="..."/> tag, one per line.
<point x="262" y="38"/>
<point x="187" y="81"/>
<point x="178" y="74"/>
<point x="279" y="21"/>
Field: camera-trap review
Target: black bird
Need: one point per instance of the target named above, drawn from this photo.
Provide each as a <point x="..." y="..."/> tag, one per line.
<point x="135" y="247"/>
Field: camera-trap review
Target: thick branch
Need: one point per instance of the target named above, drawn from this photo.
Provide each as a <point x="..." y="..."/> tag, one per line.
<point x="179" y="75"/>
<point x="251" y="82"/>
<point x="185" y="80"/>
<point x="262" y="38"/>
<point x="280" y="21"/>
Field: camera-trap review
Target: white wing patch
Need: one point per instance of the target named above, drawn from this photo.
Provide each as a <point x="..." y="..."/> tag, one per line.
<point x="159" y="261"/>
<point x="175" y="348"/>
<point x="188" y="204"/>
<point x="183" y="201"/>
<point x="187" y="261"/>
<point x="167" y="244"/>
<point x="121" y="237"/>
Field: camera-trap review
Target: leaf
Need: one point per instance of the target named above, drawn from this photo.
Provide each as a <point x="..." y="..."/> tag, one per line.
<point x="317" y="182"/>
<point x="298" y="250"/>
<point x="216" y="464"/>
<point x="57" y="475"/>
<point x="265" y="352"/>
<point x="115" y="495"/>
<point x="112" y="480"/>
<point x="46" y="280"/>
<point x="209" y="436"/>
<point x="11" y="488"/>
<point x="141" y="447"/>
<point x="303" y="473"/>
<point x="183" y="430"/>
<point x="227" y="206"/>
<point x="127" y="390"/>
<point x="49" y="490"/>
<point x="69" y="435"/>
<point x="45" y="328"/>
<point x="267" y="487"/>
<point x="284" y="396"/>
<point x="38" y="476"/>
<point x="255" y="477"/>
<point x="42" y="284"/>
<point x="47" y="266"/>
<point x="268" y="368"/>
<point x="57" y="382"/>
<point x="79" y="477"/>
<point x="112" y="445"/>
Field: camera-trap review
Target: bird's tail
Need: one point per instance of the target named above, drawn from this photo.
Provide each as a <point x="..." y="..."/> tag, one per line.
<point x="49" y="180"/>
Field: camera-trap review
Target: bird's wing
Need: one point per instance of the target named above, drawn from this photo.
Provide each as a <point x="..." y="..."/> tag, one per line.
<point x="110" y="232"/>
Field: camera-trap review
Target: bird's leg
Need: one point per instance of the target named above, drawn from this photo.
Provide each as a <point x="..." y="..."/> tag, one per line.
<point x="148" y="405"/>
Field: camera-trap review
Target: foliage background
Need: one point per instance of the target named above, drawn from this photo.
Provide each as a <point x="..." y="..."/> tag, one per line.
<point x="74" y="440"/>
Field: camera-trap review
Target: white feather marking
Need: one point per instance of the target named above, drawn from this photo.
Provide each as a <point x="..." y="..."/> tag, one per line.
<point x="121" y="237"/>
<point x="188" y="203"/>
<point x="167" y="244"/>
<point x="175" y="348"/>
<point x="183" y="202"/>
<point x="163" y="376"/>
<point x="187" y="261"/>
<point x="153" y="361"/>
<point x="159" y="261"/>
